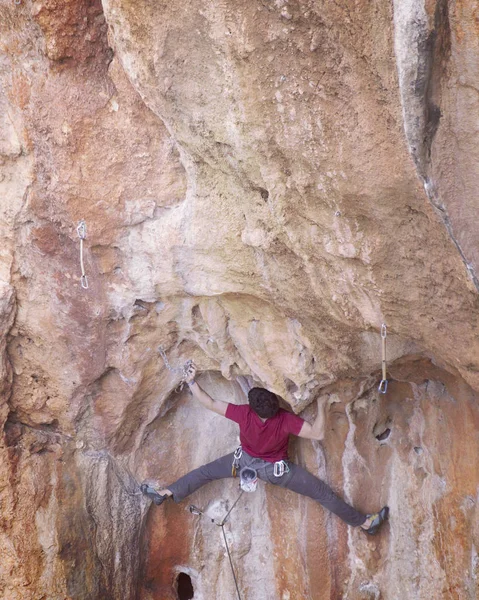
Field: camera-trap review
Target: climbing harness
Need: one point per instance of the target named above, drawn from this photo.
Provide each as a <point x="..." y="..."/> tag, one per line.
<point x="194" y="510"/>
<point x="183" y="371"/>
<point x="81" y="230"/>
<point x="280" y="468"/>
<point x="383" y="385"/>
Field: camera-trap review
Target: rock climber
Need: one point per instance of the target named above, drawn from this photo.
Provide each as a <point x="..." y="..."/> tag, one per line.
<point x="264" y="433"/>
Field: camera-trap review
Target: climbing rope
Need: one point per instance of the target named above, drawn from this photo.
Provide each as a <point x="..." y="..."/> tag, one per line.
<point x="81" y="230"/>
<point x="231" y="561"/>
<point x="182" y="371"/>
<point x="223" y="521"/>
<point x="197" y="511"/>
<point x="383" y="385"/>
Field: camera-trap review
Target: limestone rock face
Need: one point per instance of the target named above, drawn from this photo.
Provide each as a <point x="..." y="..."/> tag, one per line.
<point x="263" y="184"/>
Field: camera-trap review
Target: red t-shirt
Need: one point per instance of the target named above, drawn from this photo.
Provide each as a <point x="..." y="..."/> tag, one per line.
<point x="268" y="440"/>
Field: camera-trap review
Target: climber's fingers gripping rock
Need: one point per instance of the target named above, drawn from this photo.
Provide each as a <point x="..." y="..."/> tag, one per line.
<point x="190" y="373"/>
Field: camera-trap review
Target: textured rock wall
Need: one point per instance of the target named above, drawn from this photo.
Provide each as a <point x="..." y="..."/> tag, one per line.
<point x="263" y="184"/>
<point x="377" y="449"/>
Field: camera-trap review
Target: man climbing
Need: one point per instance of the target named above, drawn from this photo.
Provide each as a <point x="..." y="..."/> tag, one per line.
<point x="264" y="432"/>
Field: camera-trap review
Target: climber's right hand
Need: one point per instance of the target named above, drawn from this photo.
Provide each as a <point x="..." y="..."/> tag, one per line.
<point x="190" y="373"/>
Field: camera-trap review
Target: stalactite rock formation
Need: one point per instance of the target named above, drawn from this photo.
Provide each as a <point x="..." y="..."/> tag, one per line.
<point x="263" y="185"/>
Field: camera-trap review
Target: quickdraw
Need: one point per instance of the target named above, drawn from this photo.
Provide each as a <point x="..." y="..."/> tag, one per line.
<point x="236" y="458"/>
<point x="383" y="385"/>
<point x="81" y="230"/>
<point x="183" y="371"/>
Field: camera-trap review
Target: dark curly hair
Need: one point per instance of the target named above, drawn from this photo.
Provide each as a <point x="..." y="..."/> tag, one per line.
<point x="264" y="403"/>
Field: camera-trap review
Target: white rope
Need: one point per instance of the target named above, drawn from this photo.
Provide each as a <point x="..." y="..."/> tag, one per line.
<point x="81" y="230"/>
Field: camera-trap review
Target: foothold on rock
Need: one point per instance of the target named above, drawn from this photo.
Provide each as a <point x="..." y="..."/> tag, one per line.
<point x="369" y="591"/>
<point x="384" y="435"/>
<point x="264" y="193"/>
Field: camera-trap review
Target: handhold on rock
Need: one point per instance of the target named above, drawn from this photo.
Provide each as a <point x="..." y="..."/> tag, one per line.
<point x="384" y="435"/>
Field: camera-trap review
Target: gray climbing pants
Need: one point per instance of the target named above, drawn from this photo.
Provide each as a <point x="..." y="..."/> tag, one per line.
<point x="297" y="479"/>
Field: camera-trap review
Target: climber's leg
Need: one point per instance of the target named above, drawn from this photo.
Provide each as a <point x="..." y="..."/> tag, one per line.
<point x="189" y="483"/>
<point x="302" y="482"/>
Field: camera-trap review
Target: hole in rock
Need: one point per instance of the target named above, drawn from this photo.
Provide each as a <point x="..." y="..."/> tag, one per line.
<point x="290" y="385"/>
<point x="196" y="315"/>
<point x="13" y="432"/>
<point x="184" y="587"/>
<point x="264" y="193"/>
<point x="140" y="305"/>
<point x="417" y="449"/>
<point x="384" y="435"/>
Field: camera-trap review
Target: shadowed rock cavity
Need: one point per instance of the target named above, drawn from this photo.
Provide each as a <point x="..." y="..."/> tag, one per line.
<point x="184" y="587"/>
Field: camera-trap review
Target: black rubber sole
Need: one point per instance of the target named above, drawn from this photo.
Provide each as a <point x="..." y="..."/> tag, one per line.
<point x="152" y="494"/>
<point x="382" y="516"/>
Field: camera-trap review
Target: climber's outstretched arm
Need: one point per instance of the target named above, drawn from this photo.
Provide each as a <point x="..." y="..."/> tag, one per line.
<point x="315" y="431"/>
<point x="205" y="399"/>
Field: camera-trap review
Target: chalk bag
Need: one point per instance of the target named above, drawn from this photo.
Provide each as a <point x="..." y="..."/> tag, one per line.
<point x="248" y="479"/>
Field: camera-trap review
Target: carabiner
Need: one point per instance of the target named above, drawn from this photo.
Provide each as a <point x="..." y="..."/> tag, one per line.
<point x="280" y="468"/>
<point x="81" y="229"/>
<point x="194" y="510"/>
<point x="383" y="386"/>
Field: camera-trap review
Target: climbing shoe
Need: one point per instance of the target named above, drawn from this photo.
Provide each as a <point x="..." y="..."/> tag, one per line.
<point x="152" y="494"/>
<point x="378" y="520"/>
